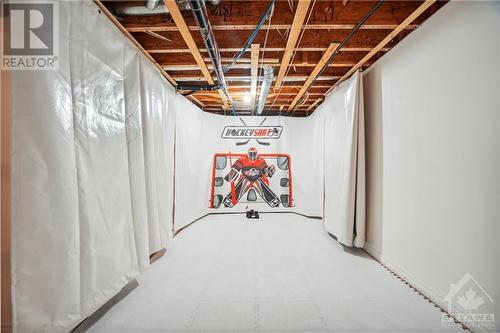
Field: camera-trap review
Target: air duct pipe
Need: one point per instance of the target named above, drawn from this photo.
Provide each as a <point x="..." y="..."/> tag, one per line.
<point x="152" y="4"/>
<point x="139" y="11"/>
<point x="264" y="89"/>
<point x="201" y="17"/>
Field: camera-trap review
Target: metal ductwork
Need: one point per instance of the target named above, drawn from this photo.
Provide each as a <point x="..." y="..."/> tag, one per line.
<point x="152" y="4"/>
<point x="139" y="11"/>
<point x="151" y="7"/>
<point x="201" y="17"/>
<point x="268" y="74"/>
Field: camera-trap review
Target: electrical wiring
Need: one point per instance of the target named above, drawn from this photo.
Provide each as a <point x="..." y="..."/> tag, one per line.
<point x="251" y="37"/>
<point x="261" y="62"/>
<point x="293" y="55"/>
<point x="349" y="36"/>
<point x="303" y="100"/>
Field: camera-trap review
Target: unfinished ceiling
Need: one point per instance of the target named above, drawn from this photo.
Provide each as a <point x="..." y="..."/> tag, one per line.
<point x="297" y="40"/>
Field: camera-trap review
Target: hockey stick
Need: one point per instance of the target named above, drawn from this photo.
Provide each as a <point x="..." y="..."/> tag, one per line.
<point x="242" y="143"/>
<point x="263" y="143"/>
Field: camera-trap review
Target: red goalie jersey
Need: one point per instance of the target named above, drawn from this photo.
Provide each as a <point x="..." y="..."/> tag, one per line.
<point x="250" y="171"/>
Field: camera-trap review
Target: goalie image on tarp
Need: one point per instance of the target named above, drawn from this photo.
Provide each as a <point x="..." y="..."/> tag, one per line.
<point x="251" y="178"/>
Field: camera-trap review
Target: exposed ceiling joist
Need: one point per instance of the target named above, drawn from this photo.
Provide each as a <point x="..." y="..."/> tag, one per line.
<point x="141" y="49"/>
<point x="293" y="37"/>
<point x="422" y="8"/>
<point x="193" y="67"/>
<point x="266" y="49"/>
<point x="314" y="74"/>
<point x="196" y="101"/>
<point x="169" y="28"/>
<point x="289" y="78"/>
<point x="254" y="73"/>
<point x="316" y="102"/>
<point x="193" y="48"/>
<point x="156" y="35"/>
<point x="296" y="51"/>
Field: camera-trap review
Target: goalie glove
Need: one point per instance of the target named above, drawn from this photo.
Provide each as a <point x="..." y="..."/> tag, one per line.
<point x="270" y="170"/>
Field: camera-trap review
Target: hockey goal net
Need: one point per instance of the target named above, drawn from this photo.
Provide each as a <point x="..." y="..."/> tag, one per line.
<point x="238" y="183"/>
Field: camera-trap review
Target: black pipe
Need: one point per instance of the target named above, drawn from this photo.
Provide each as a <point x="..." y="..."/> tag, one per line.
<point x="356" y="28"/>
<point x="251" y="37"/>
<point x="198" y="88"/>
<point x="201" y="17"/>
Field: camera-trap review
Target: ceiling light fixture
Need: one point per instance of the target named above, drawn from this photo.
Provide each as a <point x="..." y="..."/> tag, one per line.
<point x="247" y="98"/>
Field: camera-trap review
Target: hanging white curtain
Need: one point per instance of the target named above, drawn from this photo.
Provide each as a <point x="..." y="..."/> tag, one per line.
<point x="344" y="203"/>
<point x="92" y="173"/>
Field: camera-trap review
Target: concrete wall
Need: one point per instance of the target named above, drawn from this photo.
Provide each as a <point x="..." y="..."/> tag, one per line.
<point x="432" y="108"/>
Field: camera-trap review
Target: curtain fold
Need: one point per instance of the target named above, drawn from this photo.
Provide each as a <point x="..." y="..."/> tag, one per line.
<point x="344" y="158"/>
<point x="91" y="201"/>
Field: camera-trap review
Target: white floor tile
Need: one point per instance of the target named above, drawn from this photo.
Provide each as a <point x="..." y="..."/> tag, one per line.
<point x="282" y="273"/>
<point x="224" y="316"/>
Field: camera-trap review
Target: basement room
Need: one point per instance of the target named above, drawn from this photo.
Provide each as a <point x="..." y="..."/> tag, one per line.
<point x="250" y="166"/>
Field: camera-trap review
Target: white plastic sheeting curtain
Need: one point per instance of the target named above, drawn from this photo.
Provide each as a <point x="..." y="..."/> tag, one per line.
<point x="344" y="154"/>
<point x="92" y="173"/>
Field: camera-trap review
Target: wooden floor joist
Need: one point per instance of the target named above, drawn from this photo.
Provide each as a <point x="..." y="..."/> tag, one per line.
<point x="422" y="8"/>
<point x="316" y="102"/>
<point x="296" y="40"/>
<point x="169" y="28"/>
<point x="244" y="65"/>
<point x="193" y="48"/>
<point x="254" y="73"/>
<point x="133" y="40"/>
<point x="196" y="101"/>
<point x="264" y="49"/>
<point x="161" y="37"/>
<point x="316" y="71"/>
<point x="293" y="38"/>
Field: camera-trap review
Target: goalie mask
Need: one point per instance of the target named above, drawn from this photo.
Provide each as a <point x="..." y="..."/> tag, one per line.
<point x="252" y="154"/>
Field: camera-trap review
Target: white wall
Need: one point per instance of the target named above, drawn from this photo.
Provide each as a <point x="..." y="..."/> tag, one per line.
<point x="433" y="133"/>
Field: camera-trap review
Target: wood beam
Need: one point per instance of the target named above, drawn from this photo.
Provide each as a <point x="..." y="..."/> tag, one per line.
<point x="154" y="34"/>
<point x="236" y="14"/>
<point x="293" y="37"/>
<point x="254" y="73"/>
<point x="246" y="78"/>
<point x="127" y="34"/>
<point x="263" y="49"/>
<point x="229" y="27"/>
<point x="196" y="101"/>
<point x="316" y="102"/>
<point x="422" y="8"/>
<point x="314" y="74"/>
<point x="193" y="67"/>
<point x="193" y="48"/>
